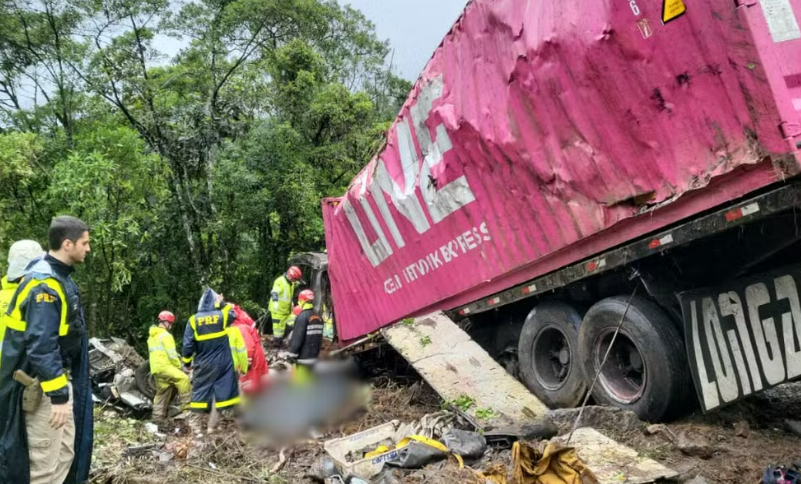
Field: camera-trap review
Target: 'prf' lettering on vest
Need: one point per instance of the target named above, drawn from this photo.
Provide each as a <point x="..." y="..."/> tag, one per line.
<point x="440" y="199"/>
<point x="207" y="320"/>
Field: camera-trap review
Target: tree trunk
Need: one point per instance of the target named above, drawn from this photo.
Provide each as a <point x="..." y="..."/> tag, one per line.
<point x="187" y="226"/>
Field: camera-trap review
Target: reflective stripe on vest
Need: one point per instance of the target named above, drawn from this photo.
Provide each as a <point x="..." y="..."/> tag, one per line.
<point x="219" y="334"/>
<point x="286" y="290"/>
<point x="55" y="384"/>
<point x="13" y="318"/>
<point x="7" y="294"/>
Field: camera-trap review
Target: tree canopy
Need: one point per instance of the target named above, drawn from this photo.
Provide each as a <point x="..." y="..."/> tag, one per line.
<point x="201" y="167"/>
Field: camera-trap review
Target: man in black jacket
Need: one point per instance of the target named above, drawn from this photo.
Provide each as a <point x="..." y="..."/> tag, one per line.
<point x="307" y="336"/>
<point x="45" y="393"/>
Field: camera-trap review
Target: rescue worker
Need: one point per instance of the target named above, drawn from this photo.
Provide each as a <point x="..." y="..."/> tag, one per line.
<point x="45" y="391"/>
<point x="207" y="350"/>
<point x="165" y="366"/>
<point x="281" y="302"/>
<point x="251" y="382"/>
<point x="307" y="336"/>
<point x="290" y="321"/>
<point x="20" y="254"/>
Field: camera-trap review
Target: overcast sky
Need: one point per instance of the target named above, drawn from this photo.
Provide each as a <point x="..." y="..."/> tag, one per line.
<point x="414" y="28"/>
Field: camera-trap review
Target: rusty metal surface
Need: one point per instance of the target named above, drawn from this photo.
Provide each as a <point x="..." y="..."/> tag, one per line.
<point x="537" y="126"/>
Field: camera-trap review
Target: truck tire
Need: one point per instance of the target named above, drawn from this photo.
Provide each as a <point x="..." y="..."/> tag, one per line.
<point x="144" y="381"/>
<point x="646" y="371"/>
<point x="547" y="353"/>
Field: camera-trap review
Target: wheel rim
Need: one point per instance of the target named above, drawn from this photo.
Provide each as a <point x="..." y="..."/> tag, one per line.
<point x="552" y="357"/>
<point x="624" y="374"/>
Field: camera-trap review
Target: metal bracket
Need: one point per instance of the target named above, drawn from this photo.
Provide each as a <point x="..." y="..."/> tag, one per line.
<point x="790" y="130"/>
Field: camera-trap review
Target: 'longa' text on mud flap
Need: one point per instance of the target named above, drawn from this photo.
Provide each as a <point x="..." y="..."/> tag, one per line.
<point x="744" y="336"/>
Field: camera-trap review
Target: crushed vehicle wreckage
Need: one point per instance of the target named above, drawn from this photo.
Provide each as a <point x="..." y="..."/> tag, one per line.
<point x="120" y="377"/>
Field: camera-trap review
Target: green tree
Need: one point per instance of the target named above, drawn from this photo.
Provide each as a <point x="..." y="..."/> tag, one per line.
<point x="113" y="183"/>
<point x="20" y="176"/>
<point x="202" y="168"/>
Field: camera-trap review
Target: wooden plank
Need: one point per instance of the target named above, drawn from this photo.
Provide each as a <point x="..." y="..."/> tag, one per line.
<point x="455" y="366"/>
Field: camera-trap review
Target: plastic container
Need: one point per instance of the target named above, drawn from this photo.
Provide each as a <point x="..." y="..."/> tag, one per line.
<point x="338" y="449"/>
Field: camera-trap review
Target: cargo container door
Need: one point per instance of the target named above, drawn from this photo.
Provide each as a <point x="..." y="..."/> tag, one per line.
<point x="776" y="27"/>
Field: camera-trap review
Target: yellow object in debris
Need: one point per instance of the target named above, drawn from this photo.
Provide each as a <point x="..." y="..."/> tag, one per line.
<point x="378" y="451"/>
<point x="493" y="474"/>
<point x="431" y="443"/>
<point x="381" y="449"/>
<point x="555" y="465"/>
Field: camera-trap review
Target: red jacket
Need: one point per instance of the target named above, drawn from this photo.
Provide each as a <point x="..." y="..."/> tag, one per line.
<point x="252" y="381"/>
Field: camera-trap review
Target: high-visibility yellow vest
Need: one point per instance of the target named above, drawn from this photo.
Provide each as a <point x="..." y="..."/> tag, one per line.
<point x="239" y="352"/>
<point x="161" y="350"/>
<point x="12" y="318"/>
<point x="286" y="290"/>
<point x="6" y="294"/>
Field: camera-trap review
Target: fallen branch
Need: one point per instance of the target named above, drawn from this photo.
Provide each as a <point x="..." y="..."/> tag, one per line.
<point x="282" y="460"/>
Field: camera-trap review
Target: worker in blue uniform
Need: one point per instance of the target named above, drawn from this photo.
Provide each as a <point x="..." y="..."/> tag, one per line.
<point x="207" y="351"/>
<point x="45" y="392"/>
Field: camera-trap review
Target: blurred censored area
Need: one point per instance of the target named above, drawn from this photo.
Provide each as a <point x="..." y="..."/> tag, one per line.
<point x="301" y="403"/>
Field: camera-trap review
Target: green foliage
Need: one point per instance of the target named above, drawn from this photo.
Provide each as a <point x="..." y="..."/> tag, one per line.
<point x="202" y="168"/>
<point x="485" y="413"/>
<point x="464" y="403"/>
<point x="20" y="174"/>
<point x="18" y="153"/>
<point x="425" y="341"/>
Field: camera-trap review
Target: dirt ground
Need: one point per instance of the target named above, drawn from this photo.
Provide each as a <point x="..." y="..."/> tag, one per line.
<point x="126" y="452"/>
<point x="743" y="439"/>
<point x="731" y="446"/>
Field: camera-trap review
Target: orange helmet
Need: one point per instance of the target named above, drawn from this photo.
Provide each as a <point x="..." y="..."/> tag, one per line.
<point x="167" y="316"/>
<point x="306" y="295"/>
<point x="293" y="273"/>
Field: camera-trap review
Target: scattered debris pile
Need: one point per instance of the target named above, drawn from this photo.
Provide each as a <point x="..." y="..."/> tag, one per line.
<point x="730" y="446"/>
<point x="120" y="377"/>
<point x="446" y="442"/>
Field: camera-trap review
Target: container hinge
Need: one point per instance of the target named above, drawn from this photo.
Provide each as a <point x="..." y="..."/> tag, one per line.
<point x="790" y="130"/>
<point x="745" y="3"/>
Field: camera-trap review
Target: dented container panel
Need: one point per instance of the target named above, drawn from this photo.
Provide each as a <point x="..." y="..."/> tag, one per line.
<point x="542" y="132"/>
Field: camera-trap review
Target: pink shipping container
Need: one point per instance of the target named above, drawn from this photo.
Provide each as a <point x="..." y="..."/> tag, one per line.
<point x="542" y="133"/>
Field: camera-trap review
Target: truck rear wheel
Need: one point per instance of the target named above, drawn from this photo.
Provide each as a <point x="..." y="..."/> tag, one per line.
<point x="646" y="370"/>
<point x="547" y="351"/>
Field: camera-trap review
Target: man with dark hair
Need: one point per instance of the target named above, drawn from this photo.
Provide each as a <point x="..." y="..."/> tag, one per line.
<point x="45" y="393"/>
<point x="68" y="229"/>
